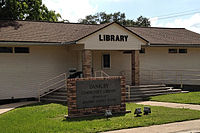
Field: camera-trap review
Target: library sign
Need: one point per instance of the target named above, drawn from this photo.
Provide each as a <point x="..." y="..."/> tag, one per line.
<point x="93" y="96"/>
<point x="94" y="93"/>
<point x="113" y="38"/>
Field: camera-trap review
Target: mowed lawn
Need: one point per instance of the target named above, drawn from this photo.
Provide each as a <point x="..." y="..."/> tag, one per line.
<point x="49" y="118"/>
<point x="188" y="98"/>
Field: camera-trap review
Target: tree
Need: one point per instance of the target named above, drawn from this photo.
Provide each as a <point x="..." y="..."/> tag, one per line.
<point x="26" y="10"/>
<point x="102" y="17"/>
<point x="143" y="22"/>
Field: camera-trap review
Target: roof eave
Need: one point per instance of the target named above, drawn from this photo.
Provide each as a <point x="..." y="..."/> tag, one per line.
<point x="28" y="43"/>
<point x="68" y="43"/>
<point x="173" y="45"/>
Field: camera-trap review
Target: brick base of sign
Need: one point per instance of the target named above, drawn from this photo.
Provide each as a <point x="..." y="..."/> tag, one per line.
<point x="74" y="111"/>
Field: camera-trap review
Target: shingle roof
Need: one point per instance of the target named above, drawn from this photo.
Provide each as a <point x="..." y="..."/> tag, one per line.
<point x="31" y="31"/>
<point x="162" y="36"/>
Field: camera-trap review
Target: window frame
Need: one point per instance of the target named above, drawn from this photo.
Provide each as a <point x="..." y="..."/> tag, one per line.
<point x="6" y="52"/>
<point x="21" y="52"/>
<point x="172" y="49"/>
<point x="185" y="52"/>
<point x="102" y="62"/>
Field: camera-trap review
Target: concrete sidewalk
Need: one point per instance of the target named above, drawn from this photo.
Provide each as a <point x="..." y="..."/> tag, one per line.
<point x="178" y="127"/>
<point x="7" y="107"/>
<point x="171" y="105"/>
<point x="192" y="126"/>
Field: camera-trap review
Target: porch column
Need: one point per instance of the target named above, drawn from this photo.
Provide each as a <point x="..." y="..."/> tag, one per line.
<point x="135" y="67"/>
<point x="87" y="63"/>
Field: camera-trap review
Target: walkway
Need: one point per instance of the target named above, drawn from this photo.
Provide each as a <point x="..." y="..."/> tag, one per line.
<point x="178" y="127"/>
<point x="192" y="126"/>
<point x="171" y="105"/>
<point x="7" y="107"/>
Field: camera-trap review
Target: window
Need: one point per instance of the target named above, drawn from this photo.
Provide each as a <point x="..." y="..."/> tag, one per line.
<point x="183" y="51"/>
<point x="142" y="51"/>
<point x="21" y="50"/>
<point x="106" y="60"/>
<point x="172" y="50"/>
<point x="6" y="49"/>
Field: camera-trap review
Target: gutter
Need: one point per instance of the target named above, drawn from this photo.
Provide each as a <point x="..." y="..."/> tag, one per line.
<point x="174" y="45"/>
<point x="68" y="43"/>
<point x="21" y="43"/>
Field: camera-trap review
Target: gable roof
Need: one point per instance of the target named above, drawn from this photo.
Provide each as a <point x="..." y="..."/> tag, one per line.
<point x="51" y="32"/>
<point x="167" y="36"/>
<point x="59" y="32"/>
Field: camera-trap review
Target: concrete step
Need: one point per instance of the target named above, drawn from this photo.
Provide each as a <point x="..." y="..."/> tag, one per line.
<point x="134" y="99"/>
<point x="60" y="93"/>
<point x="53" y="100"/>
<point x="150" y="89"/>
<point x="62" y="90"/>
<point x="184" y="91"/>
<point x="56" y="97"/>
<point x="148" y="86"/>
<point x="175" y="90"/>
<point x="146" y="95"/>
<point x="161" y="92"/>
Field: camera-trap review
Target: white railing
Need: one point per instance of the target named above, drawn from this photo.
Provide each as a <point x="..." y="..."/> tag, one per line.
<point x="100" y="73"/>
<point x="178" y="76"/>
<point x="52" y="85"/>
<point x="127" y="75"/>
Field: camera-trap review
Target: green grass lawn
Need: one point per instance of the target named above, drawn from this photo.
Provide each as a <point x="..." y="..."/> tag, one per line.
<point x="49" y="118"/>
<point x="189" y="98"/>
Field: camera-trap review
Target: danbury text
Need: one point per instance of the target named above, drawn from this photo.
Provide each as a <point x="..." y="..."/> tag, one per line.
<point x="121" y="38"/>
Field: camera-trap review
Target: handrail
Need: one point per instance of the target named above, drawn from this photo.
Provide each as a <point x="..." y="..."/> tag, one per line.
<point x="177" y="76"/>
<point x="51" y="91"/>
<point x="58" y="81"/>
<point x="52" y="78"/>
<point x="52" y="84"/>
<point x="194" y="70"/>
<point x="101" y="73"/>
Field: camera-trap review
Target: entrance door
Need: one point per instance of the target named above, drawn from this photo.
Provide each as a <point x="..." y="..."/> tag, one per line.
<point x="114" y="63"/>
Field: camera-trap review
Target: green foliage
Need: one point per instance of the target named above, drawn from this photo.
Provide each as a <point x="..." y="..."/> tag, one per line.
<point x="102" y="17"/>
<point x="188" y="98"/>
<point x="49" y="118"/>
<point x="26" y="10"/>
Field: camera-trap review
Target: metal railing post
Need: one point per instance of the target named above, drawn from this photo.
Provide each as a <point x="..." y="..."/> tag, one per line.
<point x="46" y="88"/>
<point x="65" y="80"/>
<point x="181" y="80"/>
<point x="129" y="93"/>
<point x="39" y="93"/>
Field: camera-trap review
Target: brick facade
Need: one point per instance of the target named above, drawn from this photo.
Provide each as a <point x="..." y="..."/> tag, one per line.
<point x="87" y="63"/>
<point x="135" y="67"/>
<point x="73" y="111"/>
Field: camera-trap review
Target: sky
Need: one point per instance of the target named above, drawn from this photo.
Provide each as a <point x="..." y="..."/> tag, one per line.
<point x="162" y="13"/>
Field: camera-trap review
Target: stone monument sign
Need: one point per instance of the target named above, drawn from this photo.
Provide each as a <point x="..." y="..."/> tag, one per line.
<point x="93" y="96"/>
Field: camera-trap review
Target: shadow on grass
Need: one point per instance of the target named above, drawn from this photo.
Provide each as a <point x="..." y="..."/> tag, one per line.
<point x="41" y="103"/>
<point x="84" y="118"/>
<point x="90" y="118"/>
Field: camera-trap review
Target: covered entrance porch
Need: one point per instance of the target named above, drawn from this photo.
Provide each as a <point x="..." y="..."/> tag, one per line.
<point x="113" y="63"/>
